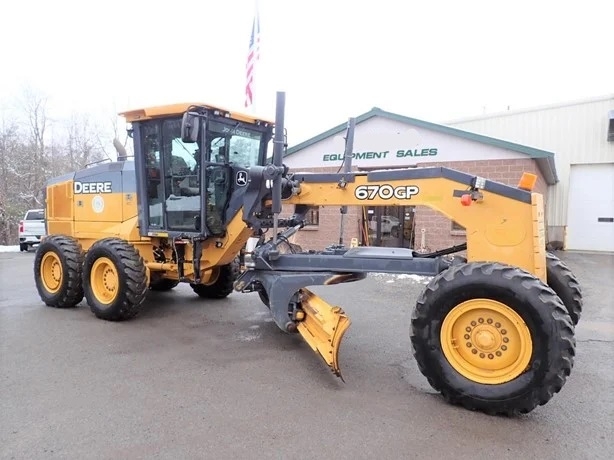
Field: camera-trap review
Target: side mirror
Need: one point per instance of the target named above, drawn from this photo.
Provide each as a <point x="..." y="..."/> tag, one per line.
<point x="189" y="128"/>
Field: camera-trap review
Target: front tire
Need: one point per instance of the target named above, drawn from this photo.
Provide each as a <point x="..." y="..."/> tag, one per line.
<point x="223" y="284"/>
<point x="57" y="271"/>
<point x="114" y="280"/>
<point x="492" y="338"/>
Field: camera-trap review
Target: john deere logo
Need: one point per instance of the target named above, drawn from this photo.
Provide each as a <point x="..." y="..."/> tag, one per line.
<point x="241" y="178"/>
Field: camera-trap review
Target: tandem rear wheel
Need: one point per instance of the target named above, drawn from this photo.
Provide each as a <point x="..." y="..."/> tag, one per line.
<point x="492" y="338"/>
<point x="114" y="279"/>
<point x="57" y="271"/>
<point x="221" y="283"/>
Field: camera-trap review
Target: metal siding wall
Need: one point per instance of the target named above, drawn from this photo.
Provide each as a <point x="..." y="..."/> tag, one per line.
<point x="576" y="133"/>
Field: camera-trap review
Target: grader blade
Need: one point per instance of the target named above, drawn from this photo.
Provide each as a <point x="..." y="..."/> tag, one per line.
<point x="323" y="328"/>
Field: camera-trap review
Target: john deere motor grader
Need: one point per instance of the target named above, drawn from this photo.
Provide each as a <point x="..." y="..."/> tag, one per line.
<point x="493" y="331"/>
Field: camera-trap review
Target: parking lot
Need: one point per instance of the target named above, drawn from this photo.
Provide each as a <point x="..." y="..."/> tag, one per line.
<point x="216" y="379"/>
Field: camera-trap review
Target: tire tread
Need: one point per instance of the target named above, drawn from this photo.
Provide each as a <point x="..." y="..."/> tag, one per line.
<point x="562" y="325"/>
<point x="70" y="251"/>
<point x="132" y="267"/>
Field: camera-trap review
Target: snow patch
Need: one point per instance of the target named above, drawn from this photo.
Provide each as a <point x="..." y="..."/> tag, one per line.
<point x="9" y="248"/>
<point x="249" y="336"/>
<point x="391" y="278"/>
<point x="417" y="278"/>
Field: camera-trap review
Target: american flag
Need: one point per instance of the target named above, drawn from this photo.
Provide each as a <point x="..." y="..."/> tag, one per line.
<point x="253" y="55"/>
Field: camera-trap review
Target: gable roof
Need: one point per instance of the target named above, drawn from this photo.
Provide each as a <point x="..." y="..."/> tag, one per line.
<point x="543" y="158"/>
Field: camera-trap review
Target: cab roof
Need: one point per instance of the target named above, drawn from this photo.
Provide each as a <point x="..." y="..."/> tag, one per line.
<point x="148" y="113"/>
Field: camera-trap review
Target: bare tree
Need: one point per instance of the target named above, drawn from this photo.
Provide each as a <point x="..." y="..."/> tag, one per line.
<point x="83" y="144"/>
<point x="9" y="179"/>
<point x="118" y="136"/>
<point x="35" y="148"/>
<point x="33" y="165"/>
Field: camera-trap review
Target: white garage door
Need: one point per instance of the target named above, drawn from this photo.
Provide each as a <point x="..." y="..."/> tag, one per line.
<point x="590" y="215"/>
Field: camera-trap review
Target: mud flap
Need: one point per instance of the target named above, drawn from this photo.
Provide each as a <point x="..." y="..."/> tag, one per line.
<point x="323" y="328"/>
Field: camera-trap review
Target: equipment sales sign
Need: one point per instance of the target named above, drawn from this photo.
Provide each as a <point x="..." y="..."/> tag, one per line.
<point x="383" y="155"/>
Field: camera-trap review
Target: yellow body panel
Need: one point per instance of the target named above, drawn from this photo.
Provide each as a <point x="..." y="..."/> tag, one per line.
<point x="498" y="228"/>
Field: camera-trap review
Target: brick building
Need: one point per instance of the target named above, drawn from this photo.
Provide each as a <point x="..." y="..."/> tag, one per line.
<point x="385" y="140"/>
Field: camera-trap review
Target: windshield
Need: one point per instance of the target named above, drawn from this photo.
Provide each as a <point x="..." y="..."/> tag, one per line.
<point x="235" y="143"/>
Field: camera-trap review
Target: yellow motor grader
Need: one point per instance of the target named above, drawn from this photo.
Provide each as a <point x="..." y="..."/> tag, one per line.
<point x="493" y="331"/>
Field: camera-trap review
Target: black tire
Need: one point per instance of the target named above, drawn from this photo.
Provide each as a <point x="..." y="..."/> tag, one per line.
<point x="67" y="256"/>
<point x="131" y="286"/>
<point x="23" y="247"/>
<point x="566" y="285"/>
<point x="163" y="284"/>
<point x="547" y="321"/>
<point x="222" y="286"/>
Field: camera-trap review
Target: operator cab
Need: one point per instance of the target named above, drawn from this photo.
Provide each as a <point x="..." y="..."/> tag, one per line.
<point x="192" y="166"/>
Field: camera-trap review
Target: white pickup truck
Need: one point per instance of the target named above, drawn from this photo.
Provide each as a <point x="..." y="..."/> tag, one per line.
<point x="31" y="228"/>
<point x="387" y="226"/>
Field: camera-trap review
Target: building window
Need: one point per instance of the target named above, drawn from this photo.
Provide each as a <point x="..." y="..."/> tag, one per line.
<point x="457" y="227"/>
<point x="312" y="218"/>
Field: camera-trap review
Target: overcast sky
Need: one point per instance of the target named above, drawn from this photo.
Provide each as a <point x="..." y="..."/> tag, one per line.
<point x="434" y="60"/>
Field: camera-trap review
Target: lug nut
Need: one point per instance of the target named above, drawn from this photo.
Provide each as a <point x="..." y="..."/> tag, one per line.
<point x="497" y="325"/>
<point x="467" y="336"/>
<point x="489" y="321"/>
<point x="468" y="329"/>
<point x="498" y="353"/>
<point x="474" y="351"/>
<point x="468" y="344"/>
<point x="490" y="356"/>
<point x="473" y="323"/>
<point x="503" y="331"/>
<point x="505" y="339"/>
<point x="481" y="320"/>
<point x="503" y="347"/>
<point x="482" y="355"/>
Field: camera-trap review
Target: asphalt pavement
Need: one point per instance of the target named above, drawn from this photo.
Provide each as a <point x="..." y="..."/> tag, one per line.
<point x="216" y="379"/>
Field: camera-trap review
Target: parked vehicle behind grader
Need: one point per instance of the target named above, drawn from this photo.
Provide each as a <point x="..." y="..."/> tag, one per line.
<point x="493" y="331"/>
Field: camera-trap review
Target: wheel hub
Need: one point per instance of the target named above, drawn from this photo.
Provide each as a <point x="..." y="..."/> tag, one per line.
<point x="51" y="272"/>
<point x="104" y="280"/>
<point x="486" y="341"/>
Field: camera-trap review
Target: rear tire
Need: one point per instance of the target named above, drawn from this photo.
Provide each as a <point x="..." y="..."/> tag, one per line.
<point x="508" y="349"/>
<point x="114" y="280"/>
<point x="57" y="271"/>
<point x="223" y="284"/>
<point x="163" y="284"/>
<point x="566" y="285"/>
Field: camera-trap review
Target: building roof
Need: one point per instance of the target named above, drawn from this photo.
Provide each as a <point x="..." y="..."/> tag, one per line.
<point x="539" y="108"/>
<point x="544" y="159"/>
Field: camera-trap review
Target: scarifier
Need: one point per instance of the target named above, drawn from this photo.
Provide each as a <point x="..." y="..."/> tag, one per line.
<point x="493" y="331"/>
